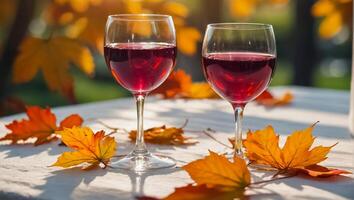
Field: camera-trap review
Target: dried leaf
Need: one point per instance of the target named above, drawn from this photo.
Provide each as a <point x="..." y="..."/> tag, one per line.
<point x="267" y="99"/>
<point x="52" y="56"/>
<point x="217" y="170"/>
<point x="188" y="37"/>
<point x="179" y="85"/>
<point x="178" y="82"/>
<point x="90" y="148"/>
<point x="89" y="18"/>
<point x="335" y="14"/>
<point x="320" y="171"/>
<point x="200" y="90"/>
<point x="262" y="147"/>
<point x="201" y="192"/>
<point x="163" y="135"/>
<point x="41" y="124"/>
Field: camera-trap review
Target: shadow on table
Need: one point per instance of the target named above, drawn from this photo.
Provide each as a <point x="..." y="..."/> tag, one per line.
<point x="26" y="150"/>
<point x="138" y="179"/>
<point x="338" y="185"/>
<point x="63" y="183"/>
<point x="223" y="122"/>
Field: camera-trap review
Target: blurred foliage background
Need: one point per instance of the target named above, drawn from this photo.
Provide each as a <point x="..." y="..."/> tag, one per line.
<point x="41" y="42"/>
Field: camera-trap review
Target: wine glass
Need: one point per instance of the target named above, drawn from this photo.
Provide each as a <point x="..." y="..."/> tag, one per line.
<point x="239" y="62"/>
<point x="140" y="51"/>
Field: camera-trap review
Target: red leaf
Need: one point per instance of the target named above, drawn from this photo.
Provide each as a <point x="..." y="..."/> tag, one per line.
<point x="320" y="171"/>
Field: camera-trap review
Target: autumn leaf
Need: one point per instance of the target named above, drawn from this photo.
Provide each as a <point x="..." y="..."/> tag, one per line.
<point x="163" y="135"/>
<point x="262" y="147"/>
<point x="200" y="192"/>
<point x="179" y="85"/>
<point x="216" y="178"/>
<point x="178" y="82"/>
<point x="41" y="124"/>
<point x="216" y="170"/>
<point x="187" y="39"/>
<point x="85" y="19"/>
<point x="320" y="171"/>
<point x="200" y="90"/>
<point x="246" y="8"/>
<point x="267" y="99"/>
<point x="79" y="5"/>
<point x="334" y="14"/>
<point x="90" y="148"/>
<point x="52" y="56"/>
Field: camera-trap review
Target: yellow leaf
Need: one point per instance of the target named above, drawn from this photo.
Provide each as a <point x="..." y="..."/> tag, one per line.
<point x="79" y="5"/>
<point x="90" y="148"/>
<point x="133" y="6"/>
<point x="200" y="91"/>
<point x="52" y="57"/>
<point x="322" y="8"/>
<point x="242" y="8"/>
<point x="163" y="135"/>
<point x="331" y="25"/>
<point x="217" y="170"/>
<point x="176" y="9"/>
<point x="202" y="192"/>
<point x="262" y="146"/>
<point x="187" y="38"/>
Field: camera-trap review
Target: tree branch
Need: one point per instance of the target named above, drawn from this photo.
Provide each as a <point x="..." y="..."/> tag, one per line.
<point x="24" y="14"/>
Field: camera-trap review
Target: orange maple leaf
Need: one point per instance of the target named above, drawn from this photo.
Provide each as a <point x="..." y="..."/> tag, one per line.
<point x="267" y="99"/>
<point x="216" y="178"/>
<point x="163" y="135"/>
<point x="335" y="14"/>
<point x="200" y="192"/>
<point x="217" y="171"/>
<point x="52" y="56"/>
<point x="178" y="82"/>
<point x="90" y="148"/>
<point x="41" y="124"/>
<point x="200" y="90"/>
<point x="262" y="147"/>
<point x="179" y="85"/>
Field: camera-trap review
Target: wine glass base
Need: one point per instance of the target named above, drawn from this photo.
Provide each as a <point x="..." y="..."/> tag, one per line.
<point x="145" y="162"/>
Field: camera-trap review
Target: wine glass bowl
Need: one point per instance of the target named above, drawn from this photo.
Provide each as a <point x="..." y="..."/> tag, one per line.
<point x="238" y="62"/>
<point x="140" y="51"/>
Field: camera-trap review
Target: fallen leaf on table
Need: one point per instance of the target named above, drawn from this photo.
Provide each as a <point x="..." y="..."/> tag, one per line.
<point x="163" y="135"/>
<point x="216" y="178"/>
<point x="41" y="124"/>
<point x="90" y="148"/>
<point x="200" y="90"/>
<point x="216" y="170"/>
<point x="267" y="99"/>
<point x="200" y="192"/>
<point x="262" y="147"/>
<point x="179" y="85"/>
<point x="178" y="82"/>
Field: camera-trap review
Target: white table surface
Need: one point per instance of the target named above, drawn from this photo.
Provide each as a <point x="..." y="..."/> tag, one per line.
<point x="24" y="171"/>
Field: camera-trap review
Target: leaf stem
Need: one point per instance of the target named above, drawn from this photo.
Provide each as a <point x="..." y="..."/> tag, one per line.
<point x="213" y="138"/>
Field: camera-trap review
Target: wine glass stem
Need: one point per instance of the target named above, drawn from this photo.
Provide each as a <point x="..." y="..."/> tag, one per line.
<point x="140" y="148"/>
<point x="238" y="132"/>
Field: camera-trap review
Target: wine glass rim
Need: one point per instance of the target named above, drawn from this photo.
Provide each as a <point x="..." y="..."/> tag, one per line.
<point x="240" y="26"/>
<point x="140" y="17"/>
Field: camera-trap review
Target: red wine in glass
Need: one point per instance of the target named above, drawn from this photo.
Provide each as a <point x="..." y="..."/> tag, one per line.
<point x="140" y="67"/>
<point x="239" y="77"/>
